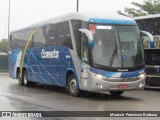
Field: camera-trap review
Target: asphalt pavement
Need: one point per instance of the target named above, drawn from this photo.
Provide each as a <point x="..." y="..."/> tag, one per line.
<point x="14" y="97"/>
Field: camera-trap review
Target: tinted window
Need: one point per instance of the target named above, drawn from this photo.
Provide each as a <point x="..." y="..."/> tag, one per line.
<point x="76" y="25"/>
<point x="151" y="25"/>
<point x="16" y="42"/>
<point x="26" y="36"/>
<point x="157" y="26"/>
<point x="40" y="37"/>
<point x="19" y="39"/>
<point x="64" y="36"/>
<point x="52" y="34"/>
<point x="146" y="25"/>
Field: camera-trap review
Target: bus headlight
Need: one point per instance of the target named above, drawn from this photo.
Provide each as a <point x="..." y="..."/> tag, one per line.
<point x="141" y="76"/>
<point x="98" y="76"/>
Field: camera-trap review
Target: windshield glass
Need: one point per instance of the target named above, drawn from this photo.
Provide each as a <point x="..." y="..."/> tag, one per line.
<point x="117" y="46"/>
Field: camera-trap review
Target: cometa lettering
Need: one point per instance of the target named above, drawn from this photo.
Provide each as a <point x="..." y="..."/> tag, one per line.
<point x="49" y="54"/>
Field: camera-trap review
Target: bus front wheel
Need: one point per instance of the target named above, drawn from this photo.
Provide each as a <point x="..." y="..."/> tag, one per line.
<point x="72" y="86"/>
<point x="116" y="93"/>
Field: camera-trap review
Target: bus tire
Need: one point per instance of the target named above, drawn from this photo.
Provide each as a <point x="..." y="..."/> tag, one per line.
<point x="25" y="79"/>
<point x="72" y="89"/>
<point x="19" y="77"/>
<point x="116" y="93"/>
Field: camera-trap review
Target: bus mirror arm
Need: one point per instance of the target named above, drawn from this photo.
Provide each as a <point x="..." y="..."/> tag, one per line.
<point x="89" y="36"/>
<point x="150" y="37"/>
<point x="147" y="34"/>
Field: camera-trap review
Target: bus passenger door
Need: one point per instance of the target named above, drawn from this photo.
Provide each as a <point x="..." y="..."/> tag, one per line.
<point x="84" y="63"/>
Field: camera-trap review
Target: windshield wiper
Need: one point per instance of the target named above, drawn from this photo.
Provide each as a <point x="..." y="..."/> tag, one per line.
<point x="113" y="56"/>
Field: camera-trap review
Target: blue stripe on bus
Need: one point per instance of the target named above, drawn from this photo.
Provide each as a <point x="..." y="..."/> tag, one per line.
<point x="117" y="74"/>
<point x="112" y="21"/>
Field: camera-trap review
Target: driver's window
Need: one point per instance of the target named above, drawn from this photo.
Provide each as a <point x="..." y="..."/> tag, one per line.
<point x="84" y="48"/>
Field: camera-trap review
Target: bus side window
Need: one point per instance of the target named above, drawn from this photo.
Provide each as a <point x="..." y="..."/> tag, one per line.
<point x="76" y="25"/>
<point x="39" y="38"/>
<point x="84" y="48"/>
<point x="64" y="35"/>
<point x="52" y="34"/>
<point x="157" y="26"/>
<point x="17" y="42"/>
<point x="32" y="42"/>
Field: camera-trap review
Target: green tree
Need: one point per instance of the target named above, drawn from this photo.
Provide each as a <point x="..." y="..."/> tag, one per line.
<point x="146" y="8"/>
<point x="3" y="45"/>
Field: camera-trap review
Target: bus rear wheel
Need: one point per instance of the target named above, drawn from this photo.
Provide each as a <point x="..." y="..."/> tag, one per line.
<point x="72" y="86"/>
<point x="25" y="79"/>
<point x="20" y="80"/>
<point x="116" y="93"/>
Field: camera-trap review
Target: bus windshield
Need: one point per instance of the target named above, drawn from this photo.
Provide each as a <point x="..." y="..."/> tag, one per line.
<point x="117" y="46"/>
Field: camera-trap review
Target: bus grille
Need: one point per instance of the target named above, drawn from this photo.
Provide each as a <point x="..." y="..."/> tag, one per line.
<point x="152" y="56"/>
<point x="153" y="71"/>
<point x="122" y="79"/>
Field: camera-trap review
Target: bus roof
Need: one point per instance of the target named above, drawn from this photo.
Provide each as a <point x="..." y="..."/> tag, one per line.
<point x="147" y="17"/>
<point x="96" y="17"/>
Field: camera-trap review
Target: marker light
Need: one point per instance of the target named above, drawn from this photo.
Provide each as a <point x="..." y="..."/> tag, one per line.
<point x="91" y="27"/>
<point x="99" y="86"/>
<point x="141" y="85"/>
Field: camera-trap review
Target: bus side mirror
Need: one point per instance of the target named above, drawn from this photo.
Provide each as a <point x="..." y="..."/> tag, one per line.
<point x="149" y="35"/>
<point x="89" y="36"/>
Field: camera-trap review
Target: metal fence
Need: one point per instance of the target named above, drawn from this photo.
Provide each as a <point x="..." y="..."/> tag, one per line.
<point x="3" y="63"/>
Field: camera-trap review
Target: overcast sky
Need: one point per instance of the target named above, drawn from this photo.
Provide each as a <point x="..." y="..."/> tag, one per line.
<point x="27" y="12"/>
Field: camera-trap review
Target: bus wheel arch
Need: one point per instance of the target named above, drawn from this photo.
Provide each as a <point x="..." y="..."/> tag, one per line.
<point x="71" y="84"/>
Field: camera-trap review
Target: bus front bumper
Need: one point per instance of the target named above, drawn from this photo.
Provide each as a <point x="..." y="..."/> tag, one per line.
<point x="116" y="84"/>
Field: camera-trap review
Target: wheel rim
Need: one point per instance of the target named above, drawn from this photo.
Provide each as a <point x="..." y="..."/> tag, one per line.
<point x="73" y="85"/>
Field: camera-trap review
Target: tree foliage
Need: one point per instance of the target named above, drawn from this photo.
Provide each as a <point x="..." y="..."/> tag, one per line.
<point x="3" y="45"/>
<point x="146" y="8"/>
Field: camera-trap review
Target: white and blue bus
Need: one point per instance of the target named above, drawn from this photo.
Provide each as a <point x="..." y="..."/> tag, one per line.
<point x="95" y="52"/>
